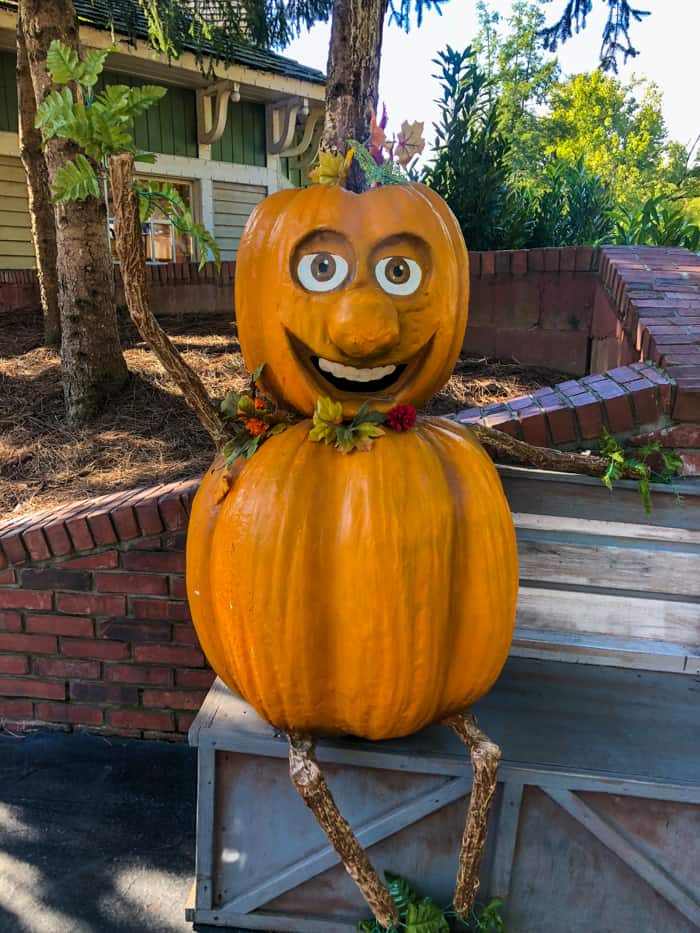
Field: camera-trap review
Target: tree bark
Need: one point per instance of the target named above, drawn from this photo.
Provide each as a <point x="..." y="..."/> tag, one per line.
<point x="93" y="366"/>
<point x="40" y="207"/>
<point x="352" y="84"/>
<point x="133" y="269"/>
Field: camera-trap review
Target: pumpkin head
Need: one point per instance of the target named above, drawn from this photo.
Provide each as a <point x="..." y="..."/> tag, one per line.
<point x="352" y="296"/>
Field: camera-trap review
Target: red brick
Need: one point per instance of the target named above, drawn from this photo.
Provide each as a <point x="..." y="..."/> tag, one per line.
<point x="686" y="407"/>
<point x="169" y="654"/>
<point x="57" y="667"/>
<point x="78" y="529"/>
<point x="534" y="427"/>
<point x="584" y="258"/>
<point x="619" y="414"/>
<point x="91" y="605"/>
<point x="10" y="622"/>
<point x="58" y="539"/>
<point x="135" y="674"/>
<point x="13" y="547"/>
<point x="156" y="561"/>
<point x="115" y="694"/>
<point x="159" y="609"/>
<point x="474" y="264"/>
<point x="551" y="259"/>
<point x="25" y="599"/>
<point x="488" y="264"/>
<point x="678" y="435"/>
<point x="148" y="516"/>
<point x="589" y="415"/>
<point x="561" y="425"/>
<point x="7" y="576"/>
<point x="197" y="679"/>
<point x="33" y="644"/>
<point x="124" y="521"/>
<point x="174" y="699"/>
<point x="136" y="630"/>
<point x="691" y="462"/>
<point x="24" y="687"/>
<point x="184" y="721"/>
<point x="185" y="634"/>
<point x="101" y="528"/>
<point x="535" y="260"/>
<point x="519" y="262"/>
<point x="645" y="403"/>
<point x="55" y="578"/>
<point x="69" y="712"/>
<point x="172" y="512"/>
<point x="36" y="544"/>
<point x="567" y="258"/>
<point x="13" y="664"/>
<point x="178" y="588"/>
<point x="142" y="583"/>
<point x="104" y="560"/>
<point x="623" y="374"/>
<point x="141" y="719"/>
<point x="16" y="709"/>
<point x="174" y="541"/>
<point x="92" y="648"/>
<point x="60" y="625"/>
<point x="502" y="263"/>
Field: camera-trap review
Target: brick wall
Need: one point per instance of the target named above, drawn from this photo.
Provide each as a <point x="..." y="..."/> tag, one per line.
<point x="95" y="631"/>
<point x="19" y="290"/>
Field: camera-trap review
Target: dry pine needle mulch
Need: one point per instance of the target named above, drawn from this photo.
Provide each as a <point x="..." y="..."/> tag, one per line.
<point x="149" y="435"/>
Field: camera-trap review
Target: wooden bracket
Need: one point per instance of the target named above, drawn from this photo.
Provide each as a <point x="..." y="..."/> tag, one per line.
<point x="210" y="127"/>
<point x="283" y="119"/>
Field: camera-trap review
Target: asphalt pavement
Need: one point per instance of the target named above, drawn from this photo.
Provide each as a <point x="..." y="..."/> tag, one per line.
<point x="97" y="835"/>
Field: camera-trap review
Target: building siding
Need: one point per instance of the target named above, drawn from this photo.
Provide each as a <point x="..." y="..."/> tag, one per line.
<point x="243" y="140"/>
<point x="8" y="93"/>
<point x="233" y="204"/>
<point x="16" y="247"/>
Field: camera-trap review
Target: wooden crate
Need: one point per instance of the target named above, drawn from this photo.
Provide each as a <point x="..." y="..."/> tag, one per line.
<point x="596" y="826"/>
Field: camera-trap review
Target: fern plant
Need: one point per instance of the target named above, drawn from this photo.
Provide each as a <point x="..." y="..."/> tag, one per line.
<point x="101" y="124"/>
<point x="618" y="461"/>
<point x="422" y="915"/>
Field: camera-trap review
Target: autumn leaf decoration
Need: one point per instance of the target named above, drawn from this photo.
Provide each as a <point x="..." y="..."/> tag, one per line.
<point x="360" y="433"/>
<point x="250" y="419"/>
<point x="332" y="169"/>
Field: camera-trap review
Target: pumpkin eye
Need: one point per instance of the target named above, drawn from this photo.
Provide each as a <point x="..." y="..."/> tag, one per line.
<point x="398" y="275"/>
<point x="322" y="272"/>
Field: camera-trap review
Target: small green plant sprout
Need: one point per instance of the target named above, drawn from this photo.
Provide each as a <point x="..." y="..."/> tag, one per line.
<point x="101" y="124"/>
<point x="423" y="915"/>
<point x="618" y="461"/>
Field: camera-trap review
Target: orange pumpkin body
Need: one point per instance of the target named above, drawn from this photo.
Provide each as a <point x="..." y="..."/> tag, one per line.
<point x="371" y="593"/>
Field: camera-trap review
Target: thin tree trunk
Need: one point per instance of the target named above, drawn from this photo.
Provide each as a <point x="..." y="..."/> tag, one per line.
<point x="40" y="207"/>
<point x="92" y="362"/>
<point x="133" y="269"/>
<point x="353" y="76"/>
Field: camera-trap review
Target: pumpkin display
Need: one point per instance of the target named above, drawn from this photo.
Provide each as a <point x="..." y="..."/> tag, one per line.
<point x="371" y="593"/>
<point x="368" y="589"/>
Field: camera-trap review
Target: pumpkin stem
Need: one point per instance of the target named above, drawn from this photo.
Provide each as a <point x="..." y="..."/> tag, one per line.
<point x="485" y="756"/>
<point x="308" y="779"/>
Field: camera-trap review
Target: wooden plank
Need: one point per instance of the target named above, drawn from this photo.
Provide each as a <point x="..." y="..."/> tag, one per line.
<point x="11" y="248"/>
<point x="632" y="856"/>
<point x="18" y="233"/>
<point x="204" y="857"/>
<point x="558" y="524"/>
<point x="622" y="566"/>
<point x="587" y="648"/>
<point x="269" y="921"/>
<point x="506" y="839"/>
<point x="12" y="177"/>
<point x="367" y="834"/>
<point x="624" y="616"/>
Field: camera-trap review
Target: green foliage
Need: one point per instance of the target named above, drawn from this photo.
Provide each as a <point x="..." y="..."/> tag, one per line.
<point x="250" y="420"/>
<point x="657" y="222"/>
<point x="423" y="915"/>
<point x="359" y="434"/>
<point x="388" y="173"/>
<point x="102" y="126"/>
<point x="619" y="462"/>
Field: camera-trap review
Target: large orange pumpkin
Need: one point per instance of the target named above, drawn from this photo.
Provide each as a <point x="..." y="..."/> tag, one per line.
<point x="371" y="593"/>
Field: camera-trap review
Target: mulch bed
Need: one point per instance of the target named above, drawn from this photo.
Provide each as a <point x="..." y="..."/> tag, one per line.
<point x="149" y="435"/>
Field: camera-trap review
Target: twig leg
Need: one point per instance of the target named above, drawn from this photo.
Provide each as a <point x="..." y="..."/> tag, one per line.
<point x="485" y="756"/>
<point x="309" y="781"/>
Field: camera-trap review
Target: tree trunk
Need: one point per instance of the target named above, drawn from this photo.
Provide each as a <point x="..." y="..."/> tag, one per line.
<point x="92" y="362"/>
<point x="40" y="207"/>
<point x="353" y="76"/>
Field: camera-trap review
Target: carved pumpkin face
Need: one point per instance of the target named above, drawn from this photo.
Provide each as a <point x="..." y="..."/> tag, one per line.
<point x="352" y="296"/>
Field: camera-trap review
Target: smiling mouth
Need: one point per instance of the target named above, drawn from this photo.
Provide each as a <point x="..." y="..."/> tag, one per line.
<point x="354" y="379"/>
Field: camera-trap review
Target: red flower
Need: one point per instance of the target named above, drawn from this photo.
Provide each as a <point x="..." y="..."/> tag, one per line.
<point x="255" y="426"/>
<point x="401" y="418"/>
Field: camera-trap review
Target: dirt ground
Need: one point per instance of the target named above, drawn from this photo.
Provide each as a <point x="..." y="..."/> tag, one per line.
<point x="148" y="434"/>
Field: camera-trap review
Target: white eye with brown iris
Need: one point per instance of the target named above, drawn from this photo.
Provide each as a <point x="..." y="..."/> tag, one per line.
<point x="322" y="272"/>
<point x="398" y="275"/>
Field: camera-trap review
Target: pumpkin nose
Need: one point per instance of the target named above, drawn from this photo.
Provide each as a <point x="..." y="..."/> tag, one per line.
<point x="364" y="324"/>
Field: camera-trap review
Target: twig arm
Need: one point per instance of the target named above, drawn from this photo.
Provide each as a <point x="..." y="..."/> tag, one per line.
<point x="133" y="270"/>
<point x="308" y="779"/>
<point x="485" y="756"/>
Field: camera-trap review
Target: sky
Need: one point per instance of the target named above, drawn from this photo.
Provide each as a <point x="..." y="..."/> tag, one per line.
<point x="668" y="42"/>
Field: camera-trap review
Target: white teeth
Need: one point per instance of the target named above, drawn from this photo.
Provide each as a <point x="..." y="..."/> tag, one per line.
<point x="352" y="373"/>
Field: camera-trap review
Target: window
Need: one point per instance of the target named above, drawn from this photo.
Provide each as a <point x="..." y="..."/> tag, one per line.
<point x="161" y="241"/>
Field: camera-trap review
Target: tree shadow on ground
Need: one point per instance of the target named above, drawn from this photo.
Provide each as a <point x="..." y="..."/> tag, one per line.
<point x="97" y="835"/>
